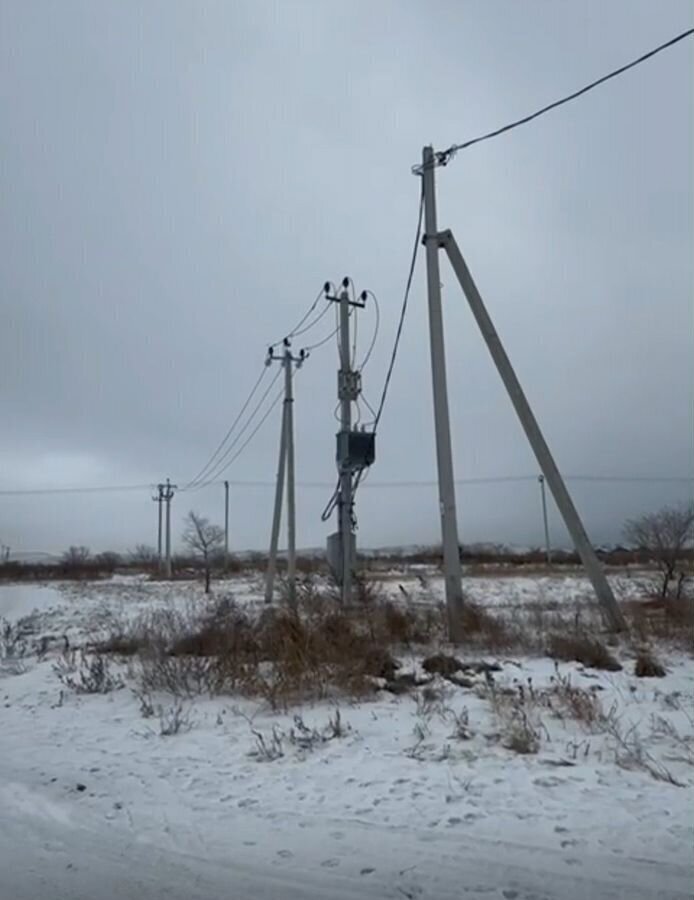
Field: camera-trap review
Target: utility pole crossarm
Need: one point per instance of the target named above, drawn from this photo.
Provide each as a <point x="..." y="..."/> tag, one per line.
<point x="532" y="430"/>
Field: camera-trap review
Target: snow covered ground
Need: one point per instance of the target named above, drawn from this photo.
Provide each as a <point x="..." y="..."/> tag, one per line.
<point x="417" y="796"/>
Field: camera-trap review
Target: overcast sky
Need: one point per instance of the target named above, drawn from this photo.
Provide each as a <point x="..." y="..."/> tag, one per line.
<point x="179" y="178"/>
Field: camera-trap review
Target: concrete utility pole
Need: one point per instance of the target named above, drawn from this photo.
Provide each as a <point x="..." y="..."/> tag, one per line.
<point x="167" y="496"/>
<point x="346" y="395"/>
<point x="277" y="514"/>
<point x="158" y="499"/>
<point x="529" y="423"/>
<point x="226" y="524"/>
<point x="444" y="457"/>
<point x="355" y="449"/>
<point x="286" y="463"/>
<point x="548" y="547"/>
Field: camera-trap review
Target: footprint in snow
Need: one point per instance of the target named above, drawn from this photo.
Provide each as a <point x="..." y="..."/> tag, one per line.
<point x="285" y="854"/>
<point x="330" y="863"/>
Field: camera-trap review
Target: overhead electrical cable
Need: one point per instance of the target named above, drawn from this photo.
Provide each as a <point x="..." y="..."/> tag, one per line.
<point x="403" y="311"/>
<point x="442" y="157"/>
<point x="201" y="474"/>
<point x="250" y="437"/>
<point x="491" y="479"/>
<point x="222" y="461"/>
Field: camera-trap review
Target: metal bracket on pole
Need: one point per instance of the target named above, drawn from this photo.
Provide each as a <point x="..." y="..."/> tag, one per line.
<point x="535" y="437"/>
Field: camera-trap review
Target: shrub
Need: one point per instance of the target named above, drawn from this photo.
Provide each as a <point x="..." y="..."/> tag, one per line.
<point x="647" y="666"/>
<point x="174" y="719"/>
<point x="91" y="675"/>
<point x="580" y="647"/>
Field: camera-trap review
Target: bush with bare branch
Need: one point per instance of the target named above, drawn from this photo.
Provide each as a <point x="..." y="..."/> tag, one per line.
<point x="666" y="536"/>
<point x="205" y="541"/>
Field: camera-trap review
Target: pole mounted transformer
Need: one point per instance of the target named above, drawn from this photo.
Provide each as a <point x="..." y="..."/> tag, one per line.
<point x="355" y="448"/>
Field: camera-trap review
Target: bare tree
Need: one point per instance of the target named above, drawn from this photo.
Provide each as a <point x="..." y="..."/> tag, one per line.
<point x="76" y="556"/>
<point x="109" y="559"/>
<point x="665" y="535"/>
<point x="205" y="541"/>
<point x="143" y="554"/>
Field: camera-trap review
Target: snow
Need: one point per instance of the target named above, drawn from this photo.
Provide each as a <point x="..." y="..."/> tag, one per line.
<point x="397" y="807"/>
<point x="17" y="600"/>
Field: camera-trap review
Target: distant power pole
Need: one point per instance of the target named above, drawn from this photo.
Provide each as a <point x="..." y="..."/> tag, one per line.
<point x="286" y="464"/>
<point x="158" y="499"/>
<point x="226" y="524"/>
<point x="167" y="497"/>
<point x="548" y="548"/>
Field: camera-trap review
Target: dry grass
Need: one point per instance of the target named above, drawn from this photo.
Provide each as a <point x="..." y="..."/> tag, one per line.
<point x="583" y="648"/>
<point x="647" y="666"/>
<point x="317" y="649"/>
<point x="666" y="621"/>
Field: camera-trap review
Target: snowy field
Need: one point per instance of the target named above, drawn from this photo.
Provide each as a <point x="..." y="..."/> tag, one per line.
<point x="415" y="795"/>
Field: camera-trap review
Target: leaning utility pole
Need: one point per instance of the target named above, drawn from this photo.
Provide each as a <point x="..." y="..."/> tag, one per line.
<point x="445" y="240"/>
<point x="444" y="457"/>
<point x="226" y="524"/>
<point x="545" y="522"/>
<point x="167" y="496"/>
<point x="158" y="499"/>
<point x="286" y="462"/>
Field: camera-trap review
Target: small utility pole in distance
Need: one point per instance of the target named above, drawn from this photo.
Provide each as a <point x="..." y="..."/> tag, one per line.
<point x="167" y="496"/>
<point x="226" y="525"/>
<point x="548" y="547"/>
<point x="286" y="464"/>
<point x="158" y="499"/>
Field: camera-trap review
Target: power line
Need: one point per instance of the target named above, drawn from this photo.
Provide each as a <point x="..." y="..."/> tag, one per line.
<point x="222" y="464"/>
<point x="308" y="327"/>
<point x="403" y="310"/>
<point x="323" y="341"/>
<point x="101" y="489"/>
<point x="377" y="325"/>
<point x="226" y="437"/>
<point x="444" y="156"/>
<point x="248" y="439"/>
<point x="491" y="479"/>
<point x="296" y="329"/>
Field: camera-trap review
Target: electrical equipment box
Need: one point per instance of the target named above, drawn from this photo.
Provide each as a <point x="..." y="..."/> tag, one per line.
<point x="355" y="449"/>
<point x="348" y="385"/>
<point x="334" y="554"/>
